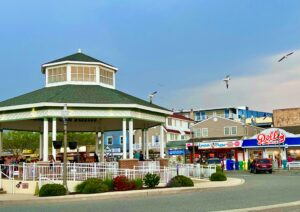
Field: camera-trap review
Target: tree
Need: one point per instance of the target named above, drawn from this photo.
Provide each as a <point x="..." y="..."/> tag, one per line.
<point x="16" y="142"/>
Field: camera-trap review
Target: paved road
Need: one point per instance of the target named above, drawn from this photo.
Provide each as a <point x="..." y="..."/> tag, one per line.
<point x="261" y="189"/>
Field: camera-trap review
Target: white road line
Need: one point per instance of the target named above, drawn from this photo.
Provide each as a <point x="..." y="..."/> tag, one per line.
<point x="259" y="208"/>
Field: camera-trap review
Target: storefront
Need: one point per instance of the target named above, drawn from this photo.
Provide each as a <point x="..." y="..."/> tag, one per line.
<point x="218" y="149"/>
<point x="273" y="143"/>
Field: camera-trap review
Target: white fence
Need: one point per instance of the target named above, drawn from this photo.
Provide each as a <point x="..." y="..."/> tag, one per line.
<point x="47" y="173"/>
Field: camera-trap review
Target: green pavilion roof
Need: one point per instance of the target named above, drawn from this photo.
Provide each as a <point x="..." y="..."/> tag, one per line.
<point x="78" y="57"/>
<point x="84" y="94"/>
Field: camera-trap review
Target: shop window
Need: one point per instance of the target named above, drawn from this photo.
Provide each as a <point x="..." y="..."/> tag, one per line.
<point x="109" y="140"/>
<point x="234" y="130"/>
<point x="204" y="132"/>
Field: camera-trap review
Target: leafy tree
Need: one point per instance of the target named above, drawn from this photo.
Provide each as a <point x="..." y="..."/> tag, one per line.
<point x="16" y="142"/>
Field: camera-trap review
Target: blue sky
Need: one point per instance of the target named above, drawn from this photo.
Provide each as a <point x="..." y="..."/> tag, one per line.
<point x="183" y="49"/>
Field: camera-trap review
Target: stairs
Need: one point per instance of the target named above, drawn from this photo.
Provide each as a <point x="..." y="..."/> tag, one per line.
<point x="2" y="191"/>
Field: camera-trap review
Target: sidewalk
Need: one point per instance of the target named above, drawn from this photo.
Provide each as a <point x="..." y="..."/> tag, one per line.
<point x="199" y="185"/>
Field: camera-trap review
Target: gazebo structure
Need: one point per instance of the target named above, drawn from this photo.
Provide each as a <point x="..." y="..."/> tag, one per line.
<point x="87" y="86"/>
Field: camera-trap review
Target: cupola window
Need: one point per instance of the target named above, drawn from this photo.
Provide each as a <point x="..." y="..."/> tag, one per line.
<point x="106" y="76"/>
<point x="83" y="73"/>
<point x="57" y="74"/>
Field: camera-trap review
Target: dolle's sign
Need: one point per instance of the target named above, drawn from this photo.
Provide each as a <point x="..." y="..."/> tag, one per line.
<point x="274" y="137"/>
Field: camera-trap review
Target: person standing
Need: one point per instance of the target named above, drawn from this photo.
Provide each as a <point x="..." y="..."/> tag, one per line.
<point x="141" y="156"/>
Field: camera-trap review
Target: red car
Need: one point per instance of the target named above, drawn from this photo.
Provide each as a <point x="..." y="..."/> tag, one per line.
<point x="259" y="165"/>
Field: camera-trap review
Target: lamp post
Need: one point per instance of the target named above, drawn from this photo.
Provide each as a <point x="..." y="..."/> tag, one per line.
<point x="193" y="140"/>
<point x="65" y="114"/>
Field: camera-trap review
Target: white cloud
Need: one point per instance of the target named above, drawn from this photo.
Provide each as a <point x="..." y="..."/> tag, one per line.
<point x="276" y="87"/>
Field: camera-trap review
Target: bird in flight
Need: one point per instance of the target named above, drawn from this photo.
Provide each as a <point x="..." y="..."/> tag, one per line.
<point x="226" y="80"/>
<point x="285" y="56"/>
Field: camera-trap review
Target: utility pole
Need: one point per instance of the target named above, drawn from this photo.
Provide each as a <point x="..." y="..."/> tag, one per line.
<point x="65" y="114"/>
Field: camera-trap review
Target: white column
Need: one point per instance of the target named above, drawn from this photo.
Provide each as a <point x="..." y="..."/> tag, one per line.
<point x="102" y="147"/>
<point x="246" y="152"/>
<point x="97" y="143"/>
<point x="1" y="142"/>
<point x="45" y="140"/>
<point x="143" y="142"/>
<point x="41" y="146"/>
<point x="124" y="139"/>
<point x="162" y="142"/>
<point x="265" y="153"/>
<point x="283" y="153"/>
<point x="54" y="130"/>
<point x="131" y="139"/>
<point x="147" y="144"/>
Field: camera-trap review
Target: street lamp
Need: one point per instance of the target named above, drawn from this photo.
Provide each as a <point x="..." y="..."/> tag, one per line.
<point x="65" y="114"/>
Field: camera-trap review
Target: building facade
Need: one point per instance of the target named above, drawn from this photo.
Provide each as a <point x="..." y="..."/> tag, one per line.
<point x="220" y="137"/>
<point x="242" y="114"/>
<point x="288" y="119"/>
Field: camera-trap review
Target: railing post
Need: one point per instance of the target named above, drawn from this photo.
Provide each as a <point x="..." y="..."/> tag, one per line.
<point x="74" y="171"/>
<point x="33" y="172"/>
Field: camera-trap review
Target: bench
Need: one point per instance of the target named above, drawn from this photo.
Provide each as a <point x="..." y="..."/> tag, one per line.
<point x="294" y="164"/>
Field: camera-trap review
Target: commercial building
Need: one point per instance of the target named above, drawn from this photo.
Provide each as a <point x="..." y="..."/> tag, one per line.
<point x="242" y="114"/>
<point x="221" y="137"/>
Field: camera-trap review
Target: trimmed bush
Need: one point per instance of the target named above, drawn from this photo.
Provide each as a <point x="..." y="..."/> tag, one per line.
<point x="52" y="190"/>
<point x="92" y="185"/>
<point x="122" y="183"/>
<point x="138" y="183"/>
<point x="218" y="176"/>
<point x="218" y="169"/>
<point x="110" y="183"/>
<point x="151" y="180"/>
<point x="180" y="181"/>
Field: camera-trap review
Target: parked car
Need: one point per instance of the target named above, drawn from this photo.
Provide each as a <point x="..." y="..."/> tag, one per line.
<point x="261" y="165"/>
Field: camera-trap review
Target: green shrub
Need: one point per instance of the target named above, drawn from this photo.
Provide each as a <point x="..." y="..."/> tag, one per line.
<point x="110" y="183"/>
<point x="218" y="169"/>
<point x="180" y="181"/>
<point x="52" y="190"/>
<point x="138" y="183"/>
<point x="92" y="185"/>
<point x="151" y="180"/>
<point x="218" y="176"/>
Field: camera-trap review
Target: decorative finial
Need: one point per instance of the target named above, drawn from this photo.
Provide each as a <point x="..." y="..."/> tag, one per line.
<point x="79" y="51"/>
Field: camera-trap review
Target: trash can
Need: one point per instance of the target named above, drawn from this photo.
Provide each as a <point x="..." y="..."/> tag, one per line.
<point x="237" y="165"/>
<point x="228" y="165"/>
<point x="284" y="164"/>
<point x="241" y="165"/>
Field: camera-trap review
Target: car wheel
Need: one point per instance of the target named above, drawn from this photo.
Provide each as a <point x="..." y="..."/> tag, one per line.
<point x="270" y="171"/>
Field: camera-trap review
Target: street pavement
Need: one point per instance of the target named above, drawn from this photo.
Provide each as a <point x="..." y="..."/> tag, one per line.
<point x="258" y="190"/>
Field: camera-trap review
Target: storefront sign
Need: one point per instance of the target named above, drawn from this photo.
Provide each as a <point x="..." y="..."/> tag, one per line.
<point x="176" y="151"/>
<point x="274" y="137"/>
<point x="217" y="145"/>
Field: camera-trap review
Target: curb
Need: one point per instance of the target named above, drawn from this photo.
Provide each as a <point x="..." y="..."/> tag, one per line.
<point x="126" y="194"/>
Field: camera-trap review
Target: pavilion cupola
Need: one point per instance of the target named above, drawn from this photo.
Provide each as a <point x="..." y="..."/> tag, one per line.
<point x="79" y="69"/>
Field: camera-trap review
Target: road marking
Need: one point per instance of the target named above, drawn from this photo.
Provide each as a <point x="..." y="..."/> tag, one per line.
<point x="259" y="208"/>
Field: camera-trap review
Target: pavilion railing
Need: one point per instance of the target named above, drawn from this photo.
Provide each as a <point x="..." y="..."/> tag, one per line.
<point x="80" y="172"/>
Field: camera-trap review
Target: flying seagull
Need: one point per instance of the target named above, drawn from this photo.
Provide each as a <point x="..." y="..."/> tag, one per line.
<point x="226" y="80"/>
<point x="285" y="56"/>
<point x="151" y="96"/>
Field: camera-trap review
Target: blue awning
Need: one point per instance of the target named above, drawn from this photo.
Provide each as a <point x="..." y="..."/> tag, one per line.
<point x="289" y="142"/>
